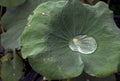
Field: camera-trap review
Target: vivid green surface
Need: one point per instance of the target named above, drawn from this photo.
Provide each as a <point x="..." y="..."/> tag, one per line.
<point x="11" y="3"/>
<point x="12" y="70"/>
<point x="14" y="21"/>
<point x="45" y="40"/>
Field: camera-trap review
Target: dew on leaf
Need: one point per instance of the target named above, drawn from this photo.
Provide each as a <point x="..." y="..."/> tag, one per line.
<point x="14" y="74"/>
<point x="83" y="44"/>
<point x="43" y="13"/>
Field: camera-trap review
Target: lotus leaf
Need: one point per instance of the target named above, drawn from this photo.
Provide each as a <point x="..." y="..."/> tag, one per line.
<point x="63" y="38"/>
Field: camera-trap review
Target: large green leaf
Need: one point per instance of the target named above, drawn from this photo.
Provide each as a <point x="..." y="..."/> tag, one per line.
<point x="14" y="21"/>
<point x="11" y="3"/>
<point x="46" y="40"/>
<point x="12" y="70"/>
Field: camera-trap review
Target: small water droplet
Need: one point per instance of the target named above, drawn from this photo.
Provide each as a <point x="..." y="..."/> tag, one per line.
<point x="83" y="44"/>
<point x="14" y="74"/>
<point x="43" y="13"/>
<point x="44" y="78"/>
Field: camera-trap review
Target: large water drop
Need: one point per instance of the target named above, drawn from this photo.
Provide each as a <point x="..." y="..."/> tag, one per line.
<point x="83" y="44"/>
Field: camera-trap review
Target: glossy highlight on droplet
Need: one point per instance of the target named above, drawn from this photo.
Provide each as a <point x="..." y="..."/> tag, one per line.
<point x="84" y="44"/>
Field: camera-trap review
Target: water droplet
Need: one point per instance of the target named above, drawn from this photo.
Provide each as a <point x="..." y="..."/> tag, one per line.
<point x="14" y="74"/>
<point x="83" y="44"/>
<point x="43" y="13"/>
<point x="44" y="78"/>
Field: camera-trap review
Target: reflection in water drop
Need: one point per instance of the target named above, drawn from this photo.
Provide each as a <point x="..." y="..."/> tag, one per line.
<point x="83" y="44"/>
